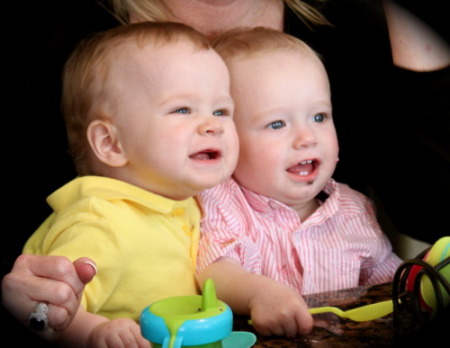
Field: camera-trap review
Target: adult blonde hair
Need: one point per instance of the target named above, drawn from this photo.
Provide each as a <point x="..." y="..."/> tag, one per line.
<point x="156" y="10"/>
<point x="85" y="92"/>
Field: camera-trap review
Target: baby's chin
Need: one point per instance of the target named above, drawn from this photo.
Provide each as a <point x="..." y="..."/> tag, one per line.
<point x="301" y="193"/>
<point x="211" y="182"/>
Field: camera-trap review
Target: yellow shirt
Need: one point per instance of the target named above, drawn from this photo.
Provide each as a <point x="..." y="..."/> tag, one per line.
<point x="144" y="245"/>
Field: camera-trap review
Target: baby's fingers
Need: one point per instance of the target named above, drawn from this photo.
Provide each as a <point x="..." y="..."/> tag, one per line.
<point x="304" y="322"/>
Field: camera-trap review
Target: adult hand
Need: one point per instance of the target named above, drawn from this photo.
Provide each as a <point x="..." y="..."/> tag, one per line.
<point x="50" y="279"/>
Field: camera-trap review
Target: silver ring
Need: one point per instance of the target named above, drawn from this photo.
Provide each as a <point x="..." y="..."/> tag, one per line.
<point x="38" y="320"/>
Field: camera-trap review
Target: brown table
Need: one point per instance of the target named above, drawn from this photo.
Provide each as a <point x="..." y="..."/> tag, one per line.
<point x="333" y="331"/>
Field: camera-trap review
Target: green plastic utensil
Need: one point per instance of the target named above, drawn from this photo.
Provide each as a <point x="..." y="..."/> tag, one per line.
<point x="363" y="313"/>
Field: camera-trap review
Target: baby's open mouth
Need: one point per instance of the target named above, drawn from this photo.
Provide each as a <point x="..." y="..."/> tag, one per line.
<point x="304" y="168"/>
<point x="206" y="155"/>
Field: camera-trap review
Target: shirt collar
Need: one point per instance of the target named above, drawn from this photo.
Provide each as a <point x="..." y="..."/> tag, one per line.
<point x="112" y="189"/>
<point x="328" y="198"/>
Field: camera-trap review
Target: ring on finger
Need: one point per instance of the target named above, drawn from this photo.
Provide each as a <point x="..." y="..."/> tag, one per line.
<point x="38" y="320"/>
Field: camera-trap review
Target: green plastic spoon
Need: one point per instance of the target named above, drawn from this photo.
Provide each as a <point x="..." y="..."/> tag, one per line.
<point x="363" y="313"/>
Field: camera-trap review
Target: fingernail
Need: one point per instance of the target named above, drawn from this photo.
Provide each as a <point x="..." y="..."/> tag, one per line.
<point x="94" y="266"/>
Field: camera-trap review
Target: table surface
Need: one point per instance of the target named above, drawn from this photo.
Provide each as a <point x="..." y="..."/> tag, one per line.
<point x="333" y="331"/>
<point x="329" y="331"/>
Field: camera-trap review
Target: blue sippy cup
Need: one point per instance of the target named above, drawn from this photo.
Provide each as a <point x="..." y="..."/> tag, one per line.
<point x="192" y="321"/>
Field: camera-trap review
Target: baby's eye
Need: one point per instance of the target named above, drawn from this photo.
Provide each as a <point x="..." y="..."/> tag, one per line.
<point x="183" y="110"/>
<point x="319" y="117"/>
<point x="276" y="124"/>
<point x="221" y="112"/>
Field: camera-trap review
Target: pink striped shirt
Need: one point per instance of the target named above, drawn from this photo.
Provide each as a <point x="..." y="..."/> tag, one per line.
<point x="340" y="246"/>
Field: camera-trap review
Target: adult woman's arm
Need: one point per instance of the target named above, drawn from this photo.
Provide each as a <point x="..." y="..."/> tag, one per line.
<point x="415" y="45"/>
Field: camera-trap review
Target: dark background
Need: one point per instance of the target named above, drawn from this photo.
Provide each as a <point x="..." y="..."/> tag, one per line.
<point x="38" y="38"/>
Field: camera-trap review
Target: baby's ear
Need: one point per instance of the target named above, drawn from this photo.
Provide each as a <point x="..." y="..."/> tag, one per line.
<point x="102" y="136"/>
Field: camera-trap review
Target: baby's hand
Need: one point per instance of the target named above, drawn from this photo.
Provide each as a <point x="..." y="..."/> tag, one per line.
<point x="279" y="310"/>
<point x="121" y="332"/>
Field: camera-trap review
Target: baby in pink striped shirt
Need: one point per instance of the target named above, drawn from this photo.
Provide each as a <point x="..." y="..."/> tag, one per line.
<point x="282" y="227"/>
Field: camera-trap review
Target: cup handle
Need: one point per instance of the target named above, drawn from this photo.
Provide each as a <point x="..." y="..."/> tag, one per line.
<point x="176" y="342"/>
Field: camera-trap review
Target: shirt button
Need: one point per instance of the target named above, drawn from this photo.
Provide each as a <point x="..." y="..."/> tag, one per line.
<point x="178" y="212"/>
<point x="187" y="230"/>
<point x="273" y="205"/>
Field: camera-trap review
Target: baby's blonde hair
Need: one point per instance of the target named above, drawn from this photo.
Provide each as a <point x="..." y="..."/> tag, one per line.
<point x="245" y="42"/>
<point x="156" y="10"/>
<point x="85" y="94"/>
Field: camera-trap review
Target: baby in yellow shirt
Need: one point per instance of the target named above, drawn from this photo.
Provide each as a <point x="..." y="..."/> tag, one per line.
<point x="149" y="120"/>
